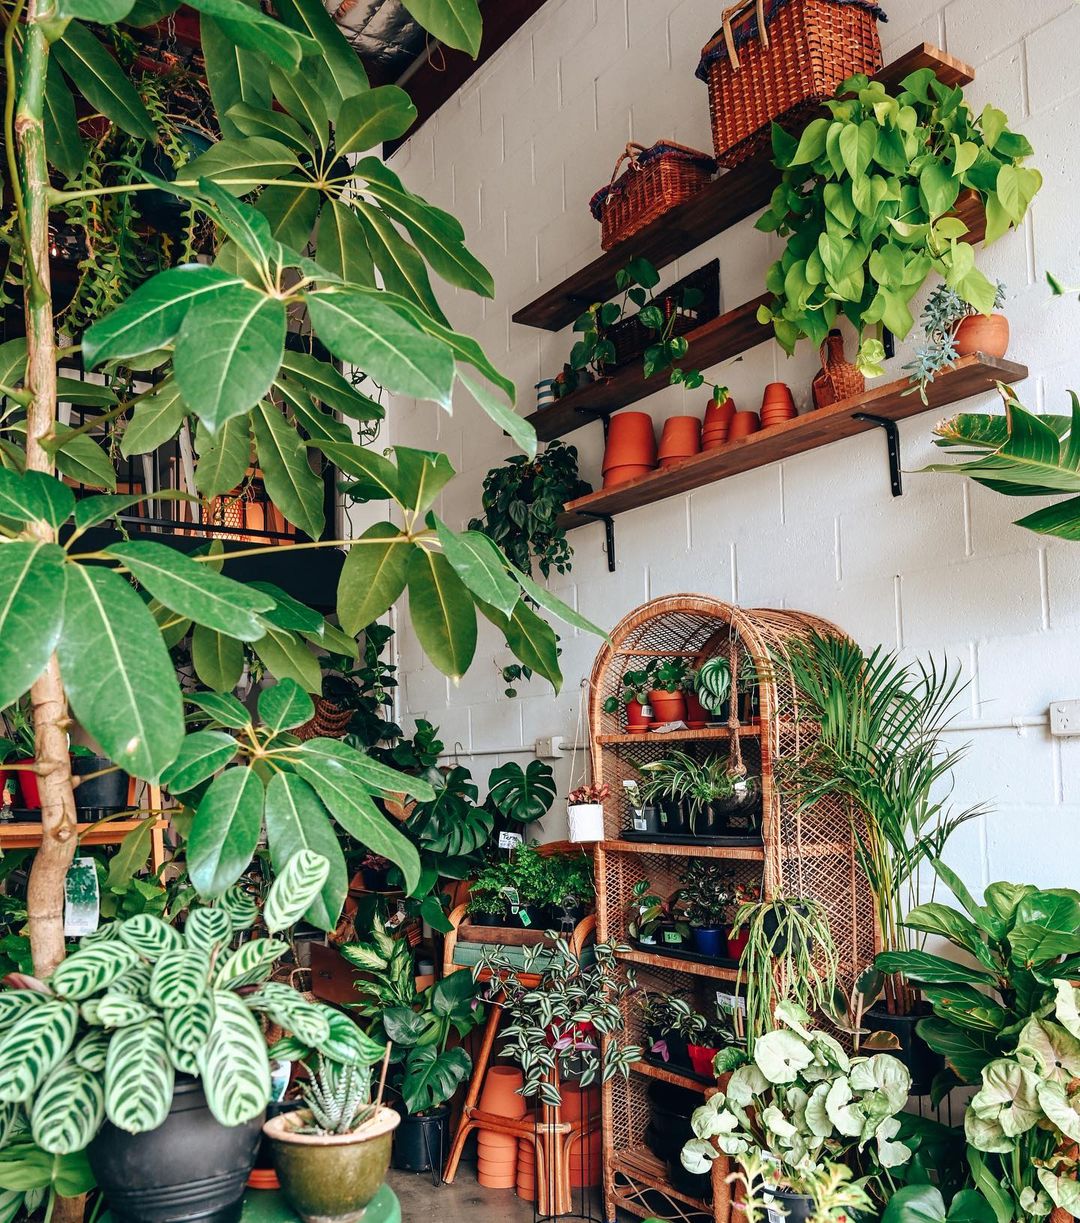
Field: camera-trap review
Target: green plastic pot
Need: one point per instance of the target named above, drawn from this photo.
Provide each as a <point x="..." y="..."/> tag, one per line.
<point x="330" y="1178"/>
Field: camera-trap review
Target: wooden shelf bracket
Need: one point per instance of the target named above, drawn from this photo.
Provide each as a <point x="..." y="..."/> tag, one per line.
<point x="892" y="444"/>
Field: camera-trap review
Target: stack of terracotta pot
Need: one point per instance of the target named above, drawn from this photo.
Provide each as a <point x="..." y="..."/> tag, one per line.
<point x="631" y="448"/>
<point x="742" y="425"/>
<point x="498" y="1153"/>
<point x="680" y="439"/>
<point x="526" y="1170"/>
<point x="777" y="405"/>
<point x="586" y="1155"/>
<point x="717" y="423"/>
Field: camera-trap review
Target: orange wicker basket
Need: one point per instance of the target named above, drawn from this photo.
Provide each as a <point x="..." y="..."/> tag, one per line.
<point x="838" y="378"/>
<point x="778" y="60"/>
<point x="657" y="179"/>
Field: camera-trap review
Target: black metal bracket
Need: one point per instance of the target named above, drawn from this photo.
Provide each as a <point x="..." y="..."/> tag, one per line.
<point x="888" y="341"/>
<point x="609" y="535"/>
<point x="604" y="416"/>
<point x="892" y="442"/>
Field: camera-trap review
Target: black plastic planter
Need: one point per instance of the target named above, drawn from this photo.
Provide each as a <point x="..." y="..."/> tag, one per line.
<point x="190" y="1168"/>
<point x="646" y="819"/>
<point x="486" y="919"/>
<point x="674" y="812"/>
<point x="922" y="1062"/>
<point x="794" y="1207"/>
<point x="420" y="1141"/>
<point x="106" y="793"/>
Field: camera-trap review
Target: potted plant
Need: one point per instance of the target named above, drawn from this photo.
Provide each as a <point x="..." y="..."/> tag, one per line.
<point x="571" y="888"/>
<point x="556" y="1026"/>
<point x="666" y="695"/>
<point x="488" y="903"/>
<point x="739" y="936"/>
<point x="952" y="329"/>
<point x="714" y="1035"/>
<point x="705" y="894"/>
<point x="823" y="1192"/>
<point x="645" y="913"/>
<point x="634" y="698"/>
<point x="879" y="748"/>
<point x="660" y="1016"/>
<point x="585" y="812"/>
<point x="511" y="890"/>
<point x="668" y="782"/>
<point x="644" y="815"/>
<point x="143" y="1048"/>
<point x="712" y="686"/>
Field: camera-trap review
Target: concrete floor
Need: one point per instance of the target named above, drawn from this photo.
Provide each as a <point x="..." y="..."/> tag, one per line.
<point x="465" y="1201"/>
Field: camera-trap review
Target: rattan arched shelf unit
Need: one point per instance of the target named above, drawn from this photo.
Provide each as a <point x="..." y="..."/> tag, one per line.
<point x="803" y="852"/>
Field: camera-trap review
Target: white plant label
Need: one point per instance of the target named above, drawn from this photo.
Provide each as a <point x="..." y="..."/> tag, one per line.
<point x="82" y="899"/>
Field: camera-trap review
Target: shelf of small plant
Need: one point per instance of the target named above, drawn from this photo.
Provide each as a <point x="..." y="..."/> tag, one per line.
<point x="680" y="736"/>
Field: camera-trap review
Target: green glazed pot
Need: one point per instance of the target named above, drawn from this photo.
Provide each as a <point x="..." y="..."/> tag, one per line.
<point x="330" y="1178"/>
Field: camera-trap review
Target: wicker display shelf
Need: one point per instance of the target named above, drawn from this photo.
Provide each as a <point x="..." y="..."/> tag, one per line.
<point x="730" y="198"/>
<point x="893" y="401"/>
<point x="677" y="964"/>
<point x="635" y="1172"/>
<point x="679" y="736"/>
<point x="675" y="1077"/>
<point x="737" y="853"/>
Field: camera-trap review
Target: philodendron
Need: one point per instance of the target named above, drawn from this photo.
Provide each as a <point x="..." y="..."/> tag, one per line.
<point x="803" y="1102"/>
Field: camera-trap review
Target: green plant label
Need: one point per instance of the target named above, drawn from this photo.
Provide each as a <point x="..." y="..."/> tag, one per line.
<point x="672" y="936"/>
<point x="82" y="900"/>
<point x="730" y="1004"/>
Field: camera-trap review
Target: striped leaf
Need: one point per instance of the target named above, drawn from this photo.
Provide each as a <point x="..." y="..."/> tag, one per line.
<point x="188" y="1027"/>
<point x="135" y="982"/>
<point x="105" y="933"/>
<point x="233" y="1063"/>
<point x="138" y="1078"/>
<point x="91" y="969"/>
<point x="30" y="1049"/>
<point x="16" y="1002"/>
<point x="91" y="1051"/>
<point x="293" y="1012"/>
<point x="120" y="1011"/>
<point x="184" y="1061"/>
<point x="207" y="929"/>
<point x="150" y="936"/>
<point x="13" y="1205"/>
<point x="250" y="963"/>
<point x="180" y="978"/>
<point x="11" y="1122"/>
<point x="296" y="886"/>
<point x="240" y="907"/>
<point x="348" y="1044"/>
<point x="68" y="1109"/>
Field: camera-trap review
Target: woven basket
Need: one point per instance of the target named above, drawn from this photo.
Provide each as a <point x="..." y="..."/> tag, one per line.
<point x="657" y="179"/>
<point x="778" y="60"/>
<point x="631" y="339"/>
<point x="329" y="722"/>
<point x="838" y="378"/>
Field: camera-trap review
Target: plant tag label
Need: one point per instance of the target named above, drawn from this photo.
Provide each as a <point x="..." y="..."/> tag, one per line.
<point x="730" y="1003"/>
<point x="513" y="899"/>
<point x="673" y="937"/>
<point x="646" y="711"/>
<point x="82" y="899"/>
<point x="397" y="917"/>
<point x="510" y="840"/>
<point x="640" y="823"/>
<point x="280" y="1075"/>
<point x="740" y="787"/>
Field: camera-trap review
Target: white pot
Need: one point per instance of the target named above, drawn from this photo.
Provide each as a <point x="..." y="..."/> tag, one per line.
<point x="585" y="821"/>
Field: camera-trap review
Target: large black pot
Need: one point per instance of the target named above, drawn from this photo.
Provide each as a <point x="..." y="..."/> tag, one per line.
<point x="794" y="1207"/>
<point x="106" y="793"/>
<point x="708" y="820"/>
<point x="674" y="816"/>
<point x="420" y="1140"/>
<point x="190" y="1168"/>
<point x="667" y="1133"/>
<point x="922" y="1062"/>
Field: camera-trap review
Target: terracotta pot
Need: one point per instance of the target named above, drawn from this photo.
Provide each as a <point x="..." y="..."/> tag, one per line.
<point x="696" y="715"/>
<point x="500" y="1167"/>
<point x="681" y="437"/>
<point x="614" y="476"/>
<point x="715" y="443"/>
<point x="498" y="1148"/>
<point x="631" y="440"/>
<point x="743" y="424"/>
<point x="988" y="334"/>
<point x="777" y="392"/>
<point x="667" y="706"/>
<point x="675" y="460"/>
<point x="713" y="435"/>
<point x="635" y="718"/>
<point x="500" y="1092"/>
<point x="492" y="1180"/>
<point x="719" y="414"/>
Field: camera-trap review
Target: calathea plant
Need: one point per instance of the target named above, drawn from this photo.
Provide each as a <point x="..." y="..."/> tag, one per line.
<point x="295" y="106"/>
<point x="865" y="203"/>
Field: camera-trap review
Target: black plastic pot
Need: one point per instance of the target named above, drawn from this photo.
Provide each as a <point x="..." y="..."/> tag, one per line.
<point x="708" y="820"/>
<point x="529" y="917"/>
<point x="487" y="919"/>
<point x="646" y="819"/>
<point x="190" y="1168"/>
<point x="107" y="793"/>
<point x="420" y="1140"/>
<point x="558" y="917"/>
<point x="794" y="1207"/>
<point x="922" y="1062"/>
<point x="668" y="1131"/>
<point x="669" y="936"/>
<point x="674" y="816"/>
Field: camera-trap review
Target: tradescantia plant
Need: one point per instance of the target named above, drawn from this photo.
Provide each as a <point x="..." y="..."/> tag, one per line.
<point x="865" y="203"/>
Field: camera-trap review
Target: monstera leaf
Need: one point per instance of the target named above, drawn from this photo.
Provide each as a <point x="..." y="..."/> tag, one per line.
<point x="523" y="795"/>
<point x="432" y="1077"/>
<point x="452" y="824"/>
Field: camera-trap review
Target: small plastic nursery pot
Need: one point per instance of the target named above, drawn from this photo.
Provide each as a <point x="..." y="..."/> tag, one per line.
<point x="646" y="819"/>
<point x="330" y="1178"/>
<point x="675" y="821"/>
<point x="794" y="1207"/>
<point x="708" y="940"/>
<point x="701" y="1059"/>
<point x="106" y="793"/>
<point x="420" y="1141"/>
<point x="914" y="1052"/>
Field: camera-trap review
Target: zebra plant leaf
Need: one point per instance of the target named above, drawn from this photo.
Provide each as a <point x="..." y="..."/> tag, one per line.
<point x="118" y="1010"/>
<point x="68" y="1109"/>
<point x="207" y="929"/>
<point x="30" y="1049"/>
<point x="150" y="936"/>
<point x="296" y="886"/>
<point x="91" y="1051"/>
<point x="138" y="1078"/>
<point x="135" y="982"/>
<point x="11" y="1120"/>
<point x="180" y="978"/>
<point x="188" y="1027"/>
<point x="91" y="969"/>
<point x="240" y="907"/>
<point x="184" y="1060"/>
<point x="16" y="1002"/>
<point x="249" y="963"/>
<point x="234" y="1066"/>
<point x="293" y="1012"/>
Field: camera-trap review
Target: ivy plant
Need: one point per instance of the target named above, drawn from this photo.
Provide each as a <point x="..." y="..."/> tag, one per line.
<point x="867" y="201"/>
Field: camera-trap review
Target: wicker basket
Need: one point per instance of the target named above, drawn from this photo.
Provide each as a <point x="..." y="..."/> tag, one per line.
<point x="657" y="179"/>
<point x="778" y="60"/>
<point x="631" y="338"/>
<point x="329" y="722"/>
<point x="838" y="378"/>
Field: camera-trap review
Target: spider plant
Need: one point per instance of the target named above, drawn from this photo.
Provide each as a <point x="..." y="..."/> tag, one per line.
<point x="880" y="751"/>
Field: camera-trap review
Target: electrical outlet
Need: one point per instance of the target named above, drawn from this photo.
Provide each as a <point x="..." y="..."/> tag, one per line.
<point x="1065" y="717"/>
<point x="549" y="748"/>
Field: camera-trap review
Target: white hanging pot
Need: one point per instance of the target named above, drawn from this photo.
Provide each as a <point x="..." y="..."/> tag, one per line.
<point x="585" y="821"/>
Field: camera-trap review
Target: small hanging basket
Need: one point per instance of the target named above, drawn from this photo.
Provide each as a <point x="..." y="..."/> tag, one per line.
<point x="329" y="722"/>
<point x="838" y="378"/>
<point x="585" y="821"/>
<point x="656" y="179"/>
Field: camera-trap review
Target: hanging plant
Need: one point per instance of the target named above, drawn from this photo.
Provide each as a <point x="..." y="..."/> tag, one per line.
<point x="866" y="203"/>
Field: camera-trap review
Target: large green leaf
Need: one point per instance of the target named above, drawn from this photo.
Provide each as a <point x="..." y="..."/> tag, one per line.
<point x="480" y="565"/>
<point x="81" y="459"/>
<point x="149" y="935"/>
<point x="223" y="456"/>
<point x="180" y="978"/>
<point x="221" y="707"/>
<point x="287" y="656"/>
<point x="433" y="1075"/>
<point x="241" y="165"/>
<point x="33" y="1046"/>
<point x="202" y="754"/>
<point x="68" y="1109"/>
<point x="91" y="969"/>
<point x="235" y="75"/>
<point x="552" y="603"/>
<point x="373" y="576"/>
<point x="344" y="66"/>
<point x="454" y="22"/>
<point x="138" y="1078"/>
<point x="188" y="1027"/>
<point x="296" y="820"/>
<point x="289" y="613"/>
<point x="924" y="967"/>
<point x="276" y="125"/>
<point x="367" y="119"/>
<point x="32" y="582"/>
<point x="154" y="421"/>
<point x="296" y="886"/>
<point x="208" y="929"/>
<point x="248" y="26"/>
<point x="403" y="269"/>
<point x="321" y="380"/>
<point x="374" y="774"/>
<point x="502" y="414"/>
<point x="422" y="475"/>
<point x="378" y="477"/>
<point x="521" y="794"/>
<point x="306" y="414"/>
<point x="531" y="639"/>
<point x="195" y="590"/>
<point x="100" y="80"/>
<point x="342" y="245"/>
<point x="250" y="963"/>
<point x="285" y="705"/>
<point x="442" y="612"/>
<point x="225" y="830"/>
<point x="357" y="328"/>
<point x="290" y="481"/>
<point x="119" y="677"/>
<point x="63" y="143"/>
<point x="218" y="660"/>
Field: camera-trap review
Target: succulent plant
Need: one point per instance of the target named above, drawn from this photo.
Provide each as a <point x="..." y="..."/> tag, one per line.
<point x="338" y="1098"/>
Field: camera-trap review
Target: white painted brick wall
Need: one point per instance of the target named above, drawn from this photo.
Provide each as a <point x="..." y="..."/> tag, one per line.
<point x="517" y="156"/>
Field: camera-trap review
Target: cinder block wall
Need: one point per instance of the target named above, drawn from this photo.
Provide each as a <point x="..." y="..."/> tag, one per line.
<point x="516" y="156"/>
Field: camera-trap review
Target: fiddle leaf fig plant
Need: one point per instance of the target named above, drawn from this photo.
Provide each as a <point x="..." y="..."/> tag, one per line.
<point x="867" y="205"/>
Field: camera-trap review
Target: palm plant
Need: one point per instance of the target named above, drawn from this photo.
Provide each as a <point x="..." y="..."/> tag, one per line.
<point x="879" y="751"/>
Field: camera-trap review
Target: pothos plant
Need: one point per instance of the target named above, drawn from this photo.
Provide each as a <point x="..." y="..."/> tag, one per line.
<point x="297" y="116"/>
<point x="866" y="204"/>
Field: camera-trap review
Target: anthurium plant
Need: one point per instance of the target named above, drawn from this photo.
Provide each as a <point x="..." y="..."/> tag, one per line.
<point x="292" y="168"/>
<point x="867" y="204"/>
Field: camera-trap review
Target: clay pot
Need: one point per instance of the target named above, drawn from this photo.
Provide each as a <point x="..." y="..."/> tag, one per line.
<point x="614" y="476"/>
<point x="777" y="393"/>
<point x="635" y="719"/>
<point x="500" y="1093"/>
<point x="498" y="1164"/>
<point x="493" y="1180"/>
<point x="667" y="706"/>
<point x="715" y="442"/>
<point x="497" y="1148"/>
<point x="743" y="424"/>
<point x="988" y="334"/>
<point x="681" y="438"/>
<point x="718" y="415"/>
<point x="776" y="414"/>
<point x="675" y="460"/>
<point x="630" y="442"/>
<point x="696" y="715"/>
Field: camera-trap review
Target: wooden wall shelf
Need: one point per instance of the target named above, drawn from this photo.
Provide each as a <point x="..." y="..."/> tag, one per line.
<point x="728" y="199"/>
<point x="971" y="376"/>
<point x="681" y="736"/>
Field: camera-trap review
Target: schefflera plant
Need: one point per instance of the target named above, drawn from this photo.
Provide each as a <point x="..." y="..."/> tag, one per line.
<point x="140" y="1001"/>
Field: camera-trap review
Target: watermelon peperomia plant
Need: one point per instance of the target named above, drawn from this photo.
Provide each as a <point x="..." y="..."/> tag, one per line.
<point x="296" y="115"/>
<point x="139" y="1002"/>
